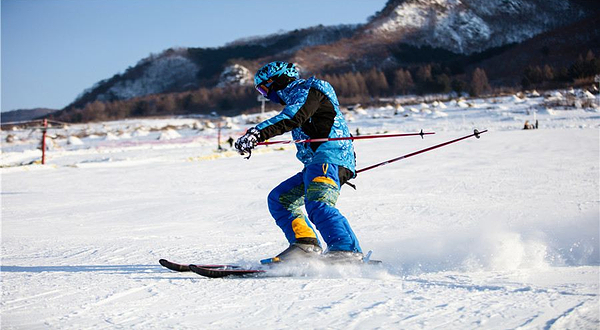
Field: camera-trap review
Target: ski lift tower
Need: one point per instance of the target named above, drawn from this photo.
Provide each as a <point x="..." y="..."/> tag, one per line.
<point x="262" y="101"/>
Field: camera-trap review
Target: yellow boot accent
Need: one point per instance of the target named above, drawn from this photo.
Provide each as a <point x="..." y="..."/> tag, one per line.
<point x="301" y="229"/>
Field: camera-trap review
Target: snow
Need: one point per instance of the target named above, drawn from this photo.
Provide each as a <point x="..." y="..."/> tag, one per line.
<point x="73" y="140"/>
<point x="235" y="75"/>
<point x="111" y="137"/>
<point x="517" y="99"/>
<point x="497" y="232"/>
<point x="159" y="74"/>
<point x="462" y="104"/>
<point x="169" y="134"/>
<point x="588" y="95"/>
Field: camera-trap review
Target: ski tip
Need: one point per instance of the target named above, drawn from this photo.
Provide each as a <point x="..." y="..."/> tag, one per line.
<point x="173" y="266"/>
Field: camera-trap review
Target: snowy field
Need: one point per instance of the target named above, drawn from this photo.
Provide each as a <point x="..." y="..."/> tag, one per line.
<point x="494" y="233"/>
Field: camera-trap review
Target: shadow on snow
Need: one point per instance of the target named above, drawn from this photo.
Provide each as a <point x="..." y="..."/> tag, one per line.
<point x="118" y="269"/>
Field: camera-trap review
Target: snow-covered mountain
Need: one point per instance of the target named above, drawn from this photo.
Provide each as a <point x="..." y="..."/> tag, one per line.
<point x="181" y="69"/>
<point x="166" y="72"/>
<point x="468" y="26"/>
<point x="172" y="70"/>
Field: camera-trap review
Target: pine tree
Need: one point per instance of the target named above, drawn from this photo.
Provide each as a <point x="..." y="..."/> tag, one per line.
<point x="383" y="83"/>
<point x="459" y="86"/>
<point x="548" y="73"/>
<point x="376" y="83"/>
<point x="362" y="85"/>
<point x="424" y="74"/>
<point x="589" y="56"/>
<point x="479" y="82"/>
<point x="442" y="83"/>
<point x="403" y="82"/>
<point x="96" y="110"/>
<point x="340" y="85"/>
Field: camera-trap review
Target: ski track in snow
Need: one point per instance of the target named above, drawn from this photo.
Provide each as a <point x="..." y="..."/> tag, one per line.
<point x="495" y="233"/>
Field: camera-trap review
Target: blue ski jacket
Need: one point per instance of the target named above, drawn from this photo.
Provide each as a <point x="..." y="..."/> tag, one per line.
<point x="312" y="111"/>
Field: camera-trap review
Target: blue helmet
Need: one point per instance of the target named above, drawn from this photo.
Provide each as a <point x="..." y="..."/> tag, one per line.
<point x="275" y="70"/>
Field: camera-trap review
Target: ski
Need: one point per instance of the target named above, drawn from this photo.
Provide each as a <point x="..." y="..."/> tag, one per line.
<point x="225" y="271"/>
<point x="186" y="267"/>
<point x="236" y="271"/>
<point x="219" y="271"/>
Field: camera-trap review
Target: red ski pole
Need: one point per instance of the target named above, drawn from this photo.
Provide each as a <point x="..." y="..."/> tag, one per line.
<point x="421" y="134"/>
<point x="476" y="134"/>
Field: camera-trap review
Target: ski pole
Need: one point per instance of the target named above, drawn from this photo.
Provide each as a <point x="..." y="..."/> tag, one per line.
<point x="476" y="134"/>
<point x="421" y="134"/>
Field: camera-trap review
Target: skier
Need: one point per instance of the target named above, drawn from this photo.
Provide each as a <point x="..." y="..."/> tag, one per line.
<point x="311" y="111"/>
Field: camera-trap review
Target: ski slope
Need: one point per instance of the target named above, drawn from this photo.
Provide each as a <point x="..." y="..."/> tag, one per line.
<point x="497" y="233"/>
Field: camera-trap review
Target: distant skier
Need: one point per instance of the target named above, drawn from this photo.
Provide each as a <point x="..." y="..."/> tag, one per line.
<point x="311" y="111"/>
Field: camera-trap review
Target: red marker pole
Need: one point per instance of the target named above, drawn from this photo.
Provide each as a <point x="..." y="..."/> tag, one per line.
<point x="44" y="141"/>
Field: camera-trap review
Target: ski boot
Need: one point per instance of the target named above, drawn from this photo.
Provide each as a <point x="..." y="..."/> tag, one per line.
<point x="302" y="249"/>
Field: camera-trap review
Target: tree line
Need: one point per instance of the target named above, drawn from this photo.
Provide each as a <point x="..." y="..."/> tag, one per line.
<point x="426" y="79"/>
<point x="351" y="87"/>
<point x="548" y="76"/>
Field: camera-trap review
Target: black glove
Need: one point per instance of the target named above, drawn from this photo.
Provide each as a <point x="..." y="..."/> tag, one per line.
<point x="248" y="141"/>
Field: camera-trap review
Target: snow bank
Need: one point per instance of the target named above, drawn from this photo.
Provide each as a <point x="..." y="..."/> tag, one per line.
<point x="439" y="114"/>
<point x="73" y="140"/>
<point x="111" y="137"/>
<point x="517" y="99"/>
<point x="588" y="95"/>
<point x="140" y="132"/>
<point x="168" y="134"/>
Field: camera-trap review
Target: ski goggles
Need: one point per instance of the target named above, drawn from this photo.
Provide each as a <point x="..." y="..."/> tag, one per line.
<point x="263" y="88"/>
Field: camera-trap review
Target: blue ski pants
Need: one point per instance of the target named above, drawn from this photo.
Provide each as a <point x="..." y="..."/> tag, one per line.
<point x="317" y="187"/>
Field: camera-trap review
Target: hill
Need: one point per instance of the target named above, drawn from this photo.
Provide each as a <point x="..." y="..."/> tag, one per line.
<point x="439" y="42"/>
<point x="25" y="114"/>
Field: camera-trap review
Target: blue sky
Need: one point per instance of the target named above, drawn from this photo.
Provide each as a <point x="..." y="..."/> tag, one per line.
<point x="54" y="49"/>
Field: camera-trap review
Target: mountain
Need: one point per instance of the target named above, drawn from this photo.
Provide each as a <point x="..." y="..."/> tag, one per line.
<point x="183" y="69"/>
<point x="404" y="33"/>
<point x="25" y="114"/>
<point x="470" y="26"/>
<point x="420" y="31"/>
<point x="557" y="48"/>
